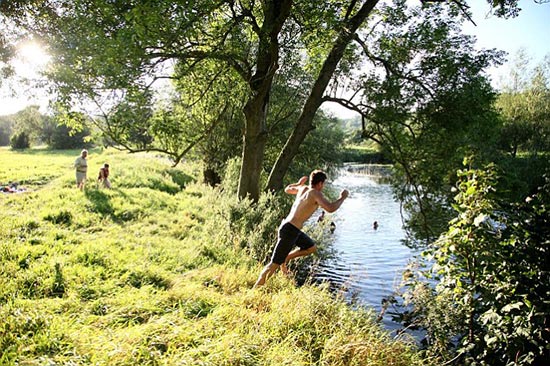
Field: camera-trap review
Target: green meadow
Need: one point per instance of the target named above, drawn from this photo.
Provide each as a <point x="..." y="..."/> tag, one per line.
<point x="159" y="271"/>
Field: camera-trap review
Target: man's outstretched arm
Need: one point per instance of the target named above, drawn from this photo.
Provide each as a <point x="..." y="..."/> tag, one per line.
<point x="331" y="206"/>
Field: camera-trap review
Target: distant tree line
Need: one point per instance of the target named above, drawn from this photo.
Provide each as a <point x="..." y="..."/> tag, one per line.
<point x="29" y="127"/>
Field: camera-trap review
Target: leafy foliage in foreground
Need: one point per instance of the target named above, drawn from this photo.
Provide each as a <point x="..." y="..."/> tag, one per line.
<point x="491" y="298"/>
<point x="159" y="270"/>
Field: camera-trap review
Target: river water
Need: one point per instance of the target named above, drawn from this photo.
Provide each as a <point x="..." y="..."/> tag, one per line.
<point x="367" y="262"/>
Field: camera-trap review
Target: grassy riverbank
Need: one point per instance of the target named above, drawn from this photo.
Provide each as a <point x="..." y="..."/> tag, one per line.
<point x="157" y="271"/>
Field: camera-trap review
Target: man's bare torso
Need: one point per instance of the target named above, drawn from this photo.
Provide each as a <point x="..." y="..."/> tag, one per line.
<point x="304" y="206"/>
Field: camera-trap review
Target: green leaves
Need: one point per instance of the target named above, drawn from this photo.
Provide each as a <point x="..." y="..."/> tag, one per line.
<point x="525" y="108"/>
<point x="508" y="308"/>
<point x="426" y="101"/>
<point x="479" y="219"/>
<point x="492" y="267"/>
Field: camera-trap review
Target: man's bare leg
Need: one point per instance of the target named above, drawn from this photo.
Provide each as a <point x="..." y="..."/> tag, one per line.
<point x="295" y="254"/>
<point x="266" y="273"/>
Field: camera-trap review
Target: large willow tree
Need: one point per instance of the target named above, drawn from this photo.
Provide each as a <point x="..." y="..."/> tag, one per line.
<point x="111" y="52"/>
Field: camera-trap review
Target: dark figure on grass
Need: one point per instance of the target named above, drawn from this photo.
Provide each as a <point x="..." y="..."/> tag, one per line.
<point x="103" y="176"/>
<point x="308" y="199"/>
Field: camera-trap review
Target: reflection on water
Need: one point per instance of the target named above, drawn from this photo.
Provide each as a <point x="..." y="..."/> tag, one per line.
<point x="367" y="263"/>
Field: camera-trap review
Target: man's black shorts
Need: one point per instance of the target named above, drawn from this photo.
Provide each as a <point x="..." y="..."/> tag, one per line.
<point x="289" y="236"/>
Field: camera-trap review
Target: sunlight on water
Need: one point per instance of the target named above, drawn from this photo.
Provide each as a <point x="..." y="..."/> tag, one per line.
<point x="368" y="263"/>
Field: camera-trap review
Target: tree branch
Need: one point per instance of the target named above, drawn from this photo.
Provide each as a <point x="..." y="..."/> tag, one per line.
<point x="252" y="19"/>
<point x="390" y="69"/>
<point x="350" y="9"/>
<point x="231" y="59"/>
<point x="462" y="6"/>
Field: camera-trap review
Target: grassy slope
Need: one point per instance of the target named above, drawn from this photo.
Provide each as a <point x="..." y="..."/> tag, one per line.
<point x="149" y="273"/>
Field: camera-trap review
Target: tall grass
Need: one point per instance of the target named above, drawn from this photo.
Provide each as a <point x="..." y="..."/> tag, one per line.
<point x="158" y="271"/>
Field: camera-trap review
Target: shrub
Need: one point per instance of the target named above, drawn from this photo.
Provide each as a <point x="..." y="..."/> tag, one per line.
<point x="255" y="224"/>
<point x="64" y="137"/>
<point x="493" y="278"/>
<point x="20" y="141"/>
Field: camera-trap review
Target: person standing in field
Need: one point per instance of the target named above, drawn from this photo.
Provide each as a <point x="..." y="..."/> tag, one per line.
<point x="308" y="199"/>
<point x="104" y="176"/>
<point x="81" y="166"/>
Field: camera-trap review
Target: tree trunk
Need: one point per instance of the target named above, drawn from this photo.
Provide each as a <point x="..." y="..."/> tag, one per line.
<point x="255" y="138"/>
<point x="315" y="99"/>
<point x="275" y="14"/>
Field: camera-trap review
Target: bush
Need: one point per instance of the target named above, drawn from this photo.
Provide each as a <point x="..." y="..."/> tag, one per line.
<point x="256" y="224"/>
<point x="64" y="137"/>
<point x="20" y="141"/>
<point x="493" y="278"/>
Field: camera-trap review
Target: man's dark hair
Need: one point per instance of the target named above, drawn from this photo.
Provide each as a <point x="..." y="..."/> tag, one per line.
<point x="317" y="176"/>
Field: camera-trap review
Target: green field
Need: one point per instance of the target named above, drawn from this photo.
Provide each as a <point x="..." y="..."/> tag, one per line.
<point x="157" y="271"/>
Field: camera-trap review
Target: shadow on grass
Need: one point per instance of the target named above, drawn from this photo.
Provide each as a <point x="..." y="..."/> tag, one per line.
<point x="101" y="202"/>
<point x="177" y="176"/>
<point x="169" y="181"/>
<point x="180" y="178"/>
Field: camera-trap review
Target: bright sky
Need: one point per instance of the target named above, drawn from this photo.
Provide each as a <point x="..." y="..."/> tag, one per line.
<point x="16" y="96"/>
<point x="530" y="30"/>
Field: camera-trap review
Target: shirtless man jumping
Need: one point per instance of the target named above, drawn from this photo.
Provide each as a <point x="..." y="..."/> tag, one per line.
<point x="308" y="199"/>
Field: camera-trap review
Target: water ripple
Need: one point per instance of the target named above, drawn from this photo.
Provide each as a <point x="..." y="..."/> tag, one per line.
<point x="367" y="262"/>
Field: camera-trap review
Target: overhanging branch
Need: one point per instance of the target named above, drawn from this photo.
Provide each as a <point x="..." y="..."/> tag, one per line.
<point x="390" y="69"/>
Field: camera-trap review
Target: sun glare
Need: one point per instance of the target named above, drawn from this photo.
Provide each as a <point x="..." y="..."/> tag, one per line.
<point x="33" y="53"/>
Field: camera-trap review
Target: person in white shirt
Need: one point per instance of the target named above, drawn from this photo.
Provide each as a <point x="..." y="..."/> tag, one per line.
<point x="81" y="166"/>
